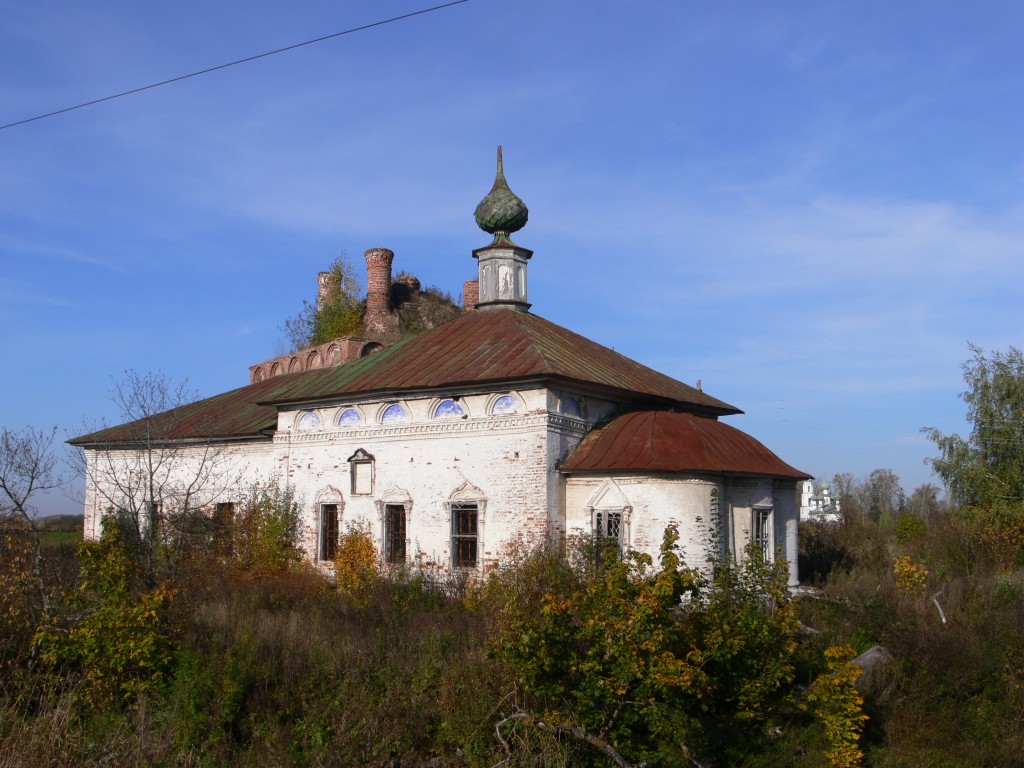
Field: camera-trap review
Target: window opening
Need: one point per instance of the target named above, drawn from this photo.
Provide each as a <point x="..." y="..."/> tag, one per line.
<point x="464" y="535"/>
<point x="328" y="531"/>
<point x="449" y="409"/>
<point x="394" y="533"/>
<point x="761" y="531"/>
<point x="608" y="528"/>
<point x="154" y="509"/>
<point x="505" y="404"/>
<point x="349" y="418"/>
<point x="571" y="406"/>
<point x="394" y="413"/>
<point x="309" y="420"/>
<point x="223" y="523"/>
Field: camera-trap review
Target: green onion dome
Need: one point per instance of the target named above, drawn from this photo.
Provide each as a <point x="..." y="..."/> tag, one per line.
<point x="501" y="212"/>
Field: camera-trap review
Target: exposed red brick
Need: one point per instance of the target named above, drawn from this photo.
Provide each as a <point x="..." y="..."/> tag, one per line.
<point x="379" y="318"/>
<point x="470" y="294"/>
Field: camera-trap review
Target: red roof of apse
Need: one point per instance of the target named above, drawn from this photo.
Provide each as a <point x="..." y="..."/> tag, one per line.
<point x="663" y="441"/>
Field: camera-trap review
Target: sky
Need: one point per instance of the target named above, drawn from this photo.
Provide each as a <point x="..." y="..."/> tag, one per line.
<point x="811" y="208"/>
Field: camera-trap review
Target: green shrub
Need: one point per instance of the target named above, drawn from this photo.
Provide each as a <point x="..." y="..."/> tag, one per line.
<point x="117" y="641"/>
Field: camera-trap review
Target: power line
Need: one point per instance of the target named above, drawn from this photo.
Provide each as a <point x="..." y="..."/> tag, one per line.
<point x="235" y="63"/>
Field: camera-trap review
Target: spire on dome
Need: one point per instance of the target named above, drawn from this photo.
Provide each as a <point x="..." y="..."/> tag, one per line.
<point x="501" y="212"/>
<point x="502" y="264"/>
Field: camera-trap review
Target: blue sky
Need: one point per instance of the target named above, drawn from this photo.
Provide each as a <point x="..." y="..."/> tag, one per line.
<point x="811" y="207"/>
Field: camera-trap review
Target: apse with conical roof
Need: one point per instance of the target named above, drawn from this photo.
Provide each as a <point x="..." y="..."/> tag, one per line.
<point x="502" y="264"/>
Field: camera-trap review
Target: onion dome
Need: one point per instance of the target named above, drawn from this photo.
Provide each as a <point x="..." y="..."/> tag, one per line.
<point x="501" y="213"/>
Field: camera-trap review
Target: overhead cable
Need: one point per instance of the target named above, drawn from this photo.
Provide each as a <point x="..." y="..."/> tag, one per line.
<point x="235" y="63"/>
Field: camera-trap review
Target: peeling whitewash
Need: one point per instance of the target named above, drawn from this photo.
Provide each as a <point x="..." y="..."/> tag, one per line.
<point x="505" y="463"/>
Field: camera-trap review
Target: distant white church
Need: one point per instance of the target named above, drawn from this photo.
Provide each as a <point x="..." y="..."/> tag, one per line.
<point x="491" y="430"/>
<point x="818" y="503"/>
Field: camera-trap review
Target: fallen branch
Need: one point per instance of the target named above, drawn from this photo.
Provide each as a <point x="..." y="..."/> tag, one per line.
<point x="935" y="599"/>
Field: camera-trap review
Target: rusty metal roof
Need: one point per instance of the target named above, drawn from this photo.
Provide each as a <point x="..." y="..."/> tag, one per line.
<point x="233" y="414"/>
<point x="499" y="345"/>
<point x="663" y="441"/>
<point x="485" y="347"/>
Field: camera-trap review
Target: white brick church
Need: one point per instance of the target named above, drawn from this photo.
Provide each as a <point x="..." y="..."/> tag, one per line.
<point x="493" y="429"/>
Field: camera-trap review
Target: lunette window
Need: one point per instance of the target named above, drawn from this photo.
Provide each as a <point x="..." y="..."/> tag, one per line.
<point x="505" y="404"/>
<point x="309" y="420"/>
<point x="449" y="409"/>
<point x="394" y="413"/>
<point x="349" y="418"/>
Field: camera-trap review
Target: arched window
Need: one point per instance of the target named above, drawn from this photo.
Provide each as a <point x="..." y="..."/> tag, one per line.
<point x="308" y="420"/>
<point x="448" y="409"/>
<point x="571" y="406"/>
<point x="349" y="417"/>
<point x="505" y="404"/>
<point x="394" y="413"/>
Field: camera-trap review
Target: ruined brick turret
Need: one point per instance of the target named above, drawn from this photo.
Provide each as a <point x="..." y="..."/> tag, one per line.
<point x="379" y="317"/>
<point x="328" y="285"/>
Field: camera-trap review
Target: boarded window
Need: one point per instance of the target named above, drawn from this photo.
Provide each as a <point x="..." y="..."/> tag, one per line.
<point x="362" y="478"/>
<point x="361" y="470"/>
<point x="464" y="535"/>
<point x="328" y="531"/>
<point x="394" y="533"/>
<point x="223" y="521"/>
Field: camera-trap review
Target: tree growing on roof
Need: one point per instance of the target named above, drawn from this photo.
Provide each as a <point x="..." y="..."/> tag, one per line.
<point x="155" y="486"/>
<point x="338" y="312"/>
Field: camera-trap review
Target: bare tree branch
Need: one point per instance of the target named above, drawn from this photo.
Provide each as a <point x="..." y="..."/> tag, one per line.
<point x="28" y="466"/>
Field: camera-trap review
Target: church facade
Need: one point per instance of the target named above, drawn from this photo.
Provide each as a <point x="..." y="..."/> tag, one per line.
<point x="492" y="431"/>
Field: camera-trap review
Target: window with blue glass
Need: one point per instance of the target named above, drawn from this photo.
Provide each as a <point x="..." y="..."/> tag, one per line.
<point x="505" y="404"/>
<point x="309" y="420"/>
<point x="349" y="418"/>
<point x="449" y="409"/>
<point x="394" y="413"/>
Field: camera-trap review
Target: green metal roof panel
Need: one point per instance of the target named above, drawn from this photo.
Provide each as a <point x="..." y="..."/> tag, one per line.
<point x="481" y="347"/>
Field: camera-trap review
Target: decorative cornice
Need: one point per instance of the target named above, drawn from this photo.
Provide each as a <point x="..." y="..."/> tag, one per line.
<point x="424" y="430"/>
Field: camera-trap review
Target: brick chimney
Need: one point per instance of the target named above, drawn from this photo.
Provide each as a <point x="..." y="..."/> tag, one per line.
<point x="470" y="294"/>
<point x="379" y="317"/>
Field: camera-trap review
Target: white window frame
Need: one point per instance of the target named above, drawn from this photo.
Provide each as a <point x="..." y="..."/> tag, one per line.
<point x="599" y="520"/>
